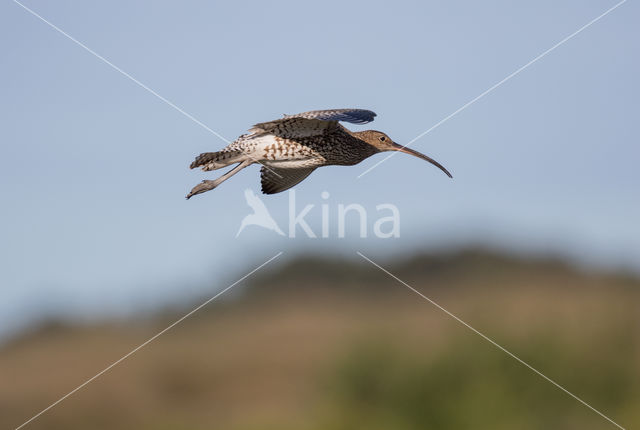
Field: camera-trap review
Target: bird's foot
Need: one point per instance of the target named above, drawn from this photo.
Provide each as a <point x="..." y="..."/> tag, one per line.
<point x="202" y="187"/>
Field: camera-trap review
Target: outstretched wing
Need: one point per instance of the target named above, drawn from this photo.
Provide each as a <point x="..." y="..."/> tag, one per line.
<point x="312" y="123"/>
<point x="275" y="180"/>
<point x="355" y="116"/>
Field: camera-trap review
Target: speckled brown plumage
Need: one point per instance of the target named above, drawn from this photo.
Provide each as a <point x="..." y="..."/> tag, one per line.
<point x="290" y="148"/>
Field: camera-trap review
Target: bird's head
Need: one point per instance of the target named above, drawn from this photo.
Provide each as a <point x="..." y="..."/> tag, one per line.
<point x="381" y="142"/>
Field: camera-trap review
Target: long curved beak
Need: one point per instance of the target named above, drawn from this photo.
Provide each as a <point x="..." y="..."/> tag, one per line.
<point x="410" y="151"/>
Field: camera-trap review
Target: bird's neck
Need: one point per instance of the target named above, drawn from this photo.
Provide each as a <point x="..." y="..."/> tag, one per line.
<point x="365" y="137"/>
<point x="357" y="134"/>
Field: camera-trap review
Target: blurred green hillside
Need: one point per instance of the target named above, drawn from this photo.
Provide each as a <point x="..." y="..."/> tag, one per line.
<point x="333" y="344"/>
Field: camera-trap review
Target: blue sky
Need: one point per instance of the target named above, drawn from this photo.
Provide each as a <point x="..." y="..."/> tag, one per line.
<point x="94" y="168"/>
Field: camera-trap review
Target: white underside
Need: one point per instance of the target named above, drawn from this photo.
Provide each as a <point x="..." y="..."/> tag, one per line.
<point x="263" y="153"/>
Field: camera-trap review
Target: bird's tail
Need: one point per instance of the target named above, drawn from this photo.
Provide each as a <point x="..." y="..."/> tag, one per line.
<point x="216" y="160"/>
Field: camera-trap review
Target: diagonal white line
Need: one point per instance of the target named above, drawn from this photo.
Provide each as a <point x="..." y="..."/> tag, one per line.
<point x="113" y="66"/>
<point x="490" y="89"/>
<point x="100" y="57"/>
<point x="488" y="339"/>
<point x="136" y="349"/>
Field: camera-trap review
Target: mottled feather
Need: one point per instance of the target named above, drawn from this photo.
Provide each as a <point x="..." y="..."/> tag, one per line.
<point x="354" y="116"/>
<point x="312" y="123"/>
<point x="292" y="128"/>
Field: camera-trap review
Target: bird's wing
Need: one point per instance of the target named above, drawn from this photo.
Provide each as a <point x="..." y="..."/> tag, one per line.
<point x="355" y="116"/>
<point x="312" y="123"/>
<point x="275" y="180"/>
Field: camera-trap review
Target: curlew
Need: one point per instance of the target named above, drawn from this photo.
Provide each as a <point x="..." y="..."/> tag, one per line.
<point x="292" y="147"/>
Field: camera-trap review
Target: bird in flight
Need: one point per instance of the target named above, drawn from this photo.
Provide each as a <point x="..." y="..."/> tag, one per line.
<point x="290" y="148"/>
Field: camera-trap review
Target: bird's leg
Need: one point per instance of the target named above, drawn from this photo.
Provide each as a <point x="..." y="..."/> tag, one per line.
<point x="208" y="185"/>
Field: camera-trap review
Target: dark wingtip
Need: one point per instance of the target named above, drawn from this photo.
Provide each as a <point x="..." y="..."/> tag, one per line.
<point x="267" y="190"/>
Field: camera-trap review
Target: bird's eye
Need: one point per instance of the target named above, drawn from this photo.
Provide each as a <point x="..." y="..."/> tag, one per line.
<point x="382" y="138"/>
